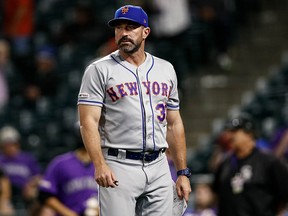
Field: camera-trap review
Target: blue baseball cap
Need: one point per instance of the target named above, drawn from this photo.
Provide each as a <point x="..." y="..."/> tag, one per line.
<point x="131" y="13"/>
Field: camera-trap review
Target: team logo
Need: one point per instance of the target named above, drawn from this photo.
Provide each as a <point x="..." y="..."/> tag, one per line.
<point x="125" y="10"/>
<point x="83" y="95"/>
<point x="240" y="178"/>
<point x="45" y="183"/>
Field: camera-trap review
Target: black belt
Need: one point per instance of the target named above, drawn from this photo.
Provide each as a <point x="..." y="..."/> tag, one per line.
<point x="145" y="156"/>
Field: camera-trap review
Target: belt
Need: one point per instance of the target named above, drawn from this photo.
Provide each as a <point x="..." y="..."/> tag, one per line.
<point x="145" y="156"/>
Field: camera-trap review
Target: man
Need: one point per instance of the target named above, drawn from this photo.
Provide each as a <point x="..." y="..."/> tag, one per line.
<point x="249" y="182"/>
<point x="68" y="186"/>
<point x="22" y="168"/>
<point x="135" y="96"/>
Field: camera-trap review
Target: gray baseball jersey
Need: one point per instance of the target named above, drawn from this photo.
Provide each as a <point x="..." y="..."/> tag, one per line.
<point x="134" y="100"/>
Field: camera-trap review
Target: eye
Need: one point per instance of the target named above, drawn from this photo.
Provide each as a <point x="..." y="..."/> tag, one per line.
<point x="131" y="27"/>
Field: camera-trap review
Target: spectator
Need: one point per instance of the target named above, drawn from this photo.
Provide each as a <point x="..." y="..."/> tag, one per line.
<point x="44" y="81"/>
<point x="171" y="22"/>
<point x="21" y="167"/>
<point x="204" y="202"/>
<point x="4" y="87"/>
<point x="106" y="48"/>
<point x="249" y="181"/>
<point x="10" y="80"/>
<point x="171" y="166"/>
<point x="18" y="26"/>
<point x="217" y="19"/>
<point x="82" y="28"/>
<point x="68" y="186"/>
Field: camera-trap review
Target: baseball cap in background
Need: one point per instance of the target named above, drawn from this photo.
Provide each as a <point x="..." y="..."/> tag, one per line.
<point x="236" y="123"/>
<point x="46" y="52"/>
<point x="132" y="13"/>
<point x="9" y="134"/>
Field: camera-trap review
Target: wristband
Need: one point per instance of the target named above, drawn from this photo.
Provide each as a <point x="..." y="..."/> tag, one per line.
<point x="186" y="172"/>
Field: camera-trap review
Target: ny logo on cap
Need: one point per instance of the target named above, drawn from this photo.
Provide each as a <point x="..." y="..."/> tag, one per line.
<point x="125" y="10"/>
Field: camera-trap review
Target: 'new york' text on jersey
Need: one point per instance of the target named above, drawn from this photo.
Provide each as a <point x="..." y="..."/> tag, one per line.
<point x="134" y="100"/>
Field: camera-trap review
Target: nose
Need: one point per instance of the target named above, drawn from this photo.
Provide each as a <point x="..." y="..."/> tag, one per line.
<point x="122" y="31"/>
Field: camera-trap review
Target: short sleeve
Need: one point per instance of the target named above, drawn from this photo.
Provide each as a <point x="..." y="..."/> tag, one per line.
<point x="92" y="90"/>
<point x="49" y="182"/>
<point x="173" y="100"/>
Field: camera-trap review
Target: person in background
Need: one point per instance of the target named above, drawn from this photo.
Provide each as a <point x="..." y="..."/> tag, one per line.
<point x="83" y="27"/>
<point x="248" y="181"/>
<point x="203" y="201"/>
<point x="171" y="21"/>
<point x="18" y="27"/>
<point x="172" y="167"/>
<point x="4" y="86"/>
<point x="44" y="80"/>
<point x="22" y="168"/>
<point x="68" y="186"/>
<point x="10" y="80"/>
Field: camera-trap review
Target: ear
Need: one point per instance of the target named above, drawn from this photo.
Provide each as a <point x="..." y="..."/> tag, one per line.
<point x="146" y="32"/>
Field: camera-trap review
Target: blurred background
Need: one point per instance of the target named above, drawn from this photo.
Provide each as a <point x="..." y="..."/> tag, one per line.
<point x="231" y="56"/>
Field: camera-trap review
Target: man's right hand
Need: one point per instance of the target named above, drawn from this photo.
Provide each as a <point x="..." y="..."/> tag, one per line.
<point x="105" y="177"/>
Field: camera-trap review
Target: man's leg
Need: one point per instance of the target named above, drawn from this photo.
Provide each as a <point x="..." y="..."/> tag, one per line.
<point x="158" y="196"/>
<point x="121" y="200"/>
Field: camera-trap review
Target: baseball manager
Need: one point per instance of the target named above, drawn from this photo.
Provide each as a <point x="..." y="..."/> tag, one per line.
<point x="129" y="115"/>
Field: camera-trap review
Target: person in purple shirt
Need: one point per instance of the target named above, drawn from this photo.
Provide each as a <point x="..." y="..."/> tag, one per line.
<point x="68" y="186"/>
<point x="22" y="168"/>
<point x="171" y="166"/>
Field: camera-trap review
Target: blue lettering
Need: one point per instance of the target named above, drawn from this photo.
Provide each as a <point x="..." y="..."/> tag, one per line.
<point x="164" y="89"/>
<point x="132" y="86"/>
<point x="147" y="86"/>
<point x="155" y="88"/>
<point x="121" y="90"/>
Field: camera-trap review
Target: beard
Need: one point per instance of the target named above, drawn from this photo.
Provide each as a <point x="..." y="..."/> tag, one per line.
<point x="128" y="46"/>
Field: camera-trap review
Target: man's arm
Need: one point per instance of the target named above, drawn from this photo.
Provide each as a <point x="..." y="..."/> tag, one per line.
<point x="89" y="123"/>
<point x="59" y="207"/>
<point x="6" y="207"/>
<point x="177" y="145"/>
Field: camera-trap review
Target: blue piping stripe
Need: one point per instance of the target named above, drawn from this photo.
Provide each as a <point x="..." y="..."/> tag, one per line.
<point x="171" y="106"/>
<point x="140" y="94"/>
<point x="88" y="101"/>
<point x="150" y="98"/>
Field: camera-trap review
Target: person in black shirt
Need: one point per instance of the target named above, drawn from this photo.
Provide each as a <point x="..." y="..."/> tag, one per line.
<point x="248" y="182"/>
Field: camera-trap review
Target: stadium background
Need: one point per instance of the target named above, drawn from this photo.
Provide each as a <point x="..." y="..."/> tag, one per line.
<point x="252" y="78"/>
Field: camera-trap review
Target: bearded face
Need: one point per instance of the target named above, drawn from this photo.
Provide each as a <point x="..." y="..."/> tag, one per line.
<point x="129" y="36"/>
<point x="128" y="45"/>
